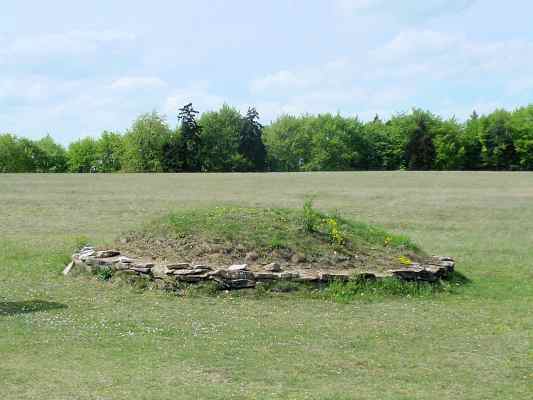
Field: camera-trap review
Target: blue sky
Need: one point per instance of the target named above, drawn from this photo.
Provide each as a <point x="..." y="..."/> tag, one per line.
<point x="73" y="69"/>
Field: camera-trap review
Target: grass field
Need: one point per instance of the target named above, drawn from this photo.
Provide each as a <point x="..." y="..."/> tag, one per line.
<point x="78" y="338"/>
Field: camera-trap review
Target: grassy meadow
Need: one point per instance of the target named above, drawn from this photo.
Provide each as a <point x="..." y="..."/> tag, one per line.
<point x="79" y="338"/>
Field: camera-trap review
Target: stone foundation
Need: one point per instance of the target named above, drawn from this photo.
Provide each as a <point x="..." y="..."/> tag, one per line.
<point x="242" y="276"/>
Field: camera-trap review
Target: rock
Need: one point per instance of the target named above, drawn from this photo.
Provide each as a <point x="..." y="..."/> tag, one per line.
<point x="415" y="274"/>
<point x="85" y="253"/>
<point x="238" y="267"/>
<point x="184" y="272"/>
<point x="201" y="267"/>
<point x="287" y="276"/>
<point x="307" y="278"/>
<point x="298" y="258"/>
<point x="273" y="267"/>
<point x="143" y="265"/>
<point x="328" y="277"/>
<point x="264" y="276"/>
<point x="178" y="266"/>
<point x="69" y="268"/>
<point x="160" y="271"/>
<point x="141" y="270"/>
<point x="237" y="284"/>
<point x="443" y="258"/>
<point x="98" y="262"/>
<point x="192" y="278"/>
<point x="107" y="254"/>
<point x="121" y="266"/>
<point x="125" y="260"/>
<point x="251" y="256"/>
<point x="232" y="275"/>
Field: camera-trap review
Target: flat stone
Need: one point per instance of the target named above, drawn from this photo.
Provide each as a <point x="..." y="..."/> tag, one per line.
<point x="329" y="277"/>
<point x="415" y="274"/>
<point x="178" y="266"/>
<point x="69" y="268"/>
<point x="148" y="265"/>
<point x="142" y="270"/>
<point x="307" y="278"/>
<point x="264" y="276"/>
<point x="97" y="262"/>
<point x="286" y="276"/>
<point x="193" y="278"/>
<point x="202" y="267"/>
<point x="107" y="254"/>
<point x="443" y="258"/>
<point x="238" y="284"/>
<point x="272" y="267"/>
<point x="183" y="272"/>
<point x="238" y="267"/>
<point x="160" y="271"/>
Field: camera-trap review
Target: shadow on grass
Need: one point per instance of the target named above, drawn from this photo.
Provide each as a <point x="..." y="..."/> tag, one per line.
<point x="26" y="307"/>
<point x="459" y="278"/>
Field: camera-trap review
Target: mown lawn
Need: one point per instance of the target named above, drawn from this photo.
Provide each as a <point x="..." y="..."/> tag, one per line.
<point x="78" y="338"/>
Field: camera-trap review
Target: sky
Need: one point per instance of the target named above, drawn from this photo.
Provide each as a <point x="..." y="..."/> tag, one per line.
<point x="74" y="69"/>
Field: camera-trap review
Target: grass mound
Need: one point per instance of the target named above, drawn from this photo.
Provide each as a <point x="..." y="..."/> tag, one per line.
<point x="307" y="237"/>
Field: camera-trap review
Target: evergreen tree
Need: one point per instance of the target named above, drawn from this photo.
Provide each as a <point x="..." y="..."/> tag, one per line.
<point x="190" y="138"/>
<point x="420" y="152"/>
<point x="251" y="144"/>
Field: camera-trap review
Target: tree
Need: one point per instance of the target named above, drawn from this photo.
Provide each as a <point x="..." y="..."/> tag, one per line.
<point x="521" y="125"/>
<point x="143" y="144"/>
<point x="172" y="153"/>
<point x="190" y="138"/>
<point x="289" y="143"/>
<point x="55" y="156"/>
<point x="385" y="145"/>
<point x="220" y="138"/>
<point x="12" y="156"/>
<point x="449" y="146"/>
<point x="498" y="147"/>
<point x="251" y="145"/>
<point x="472" y="143"/>
<point x="420" y="151"/>
<point x="109" y="152"/>
<point x="82" y="155"/>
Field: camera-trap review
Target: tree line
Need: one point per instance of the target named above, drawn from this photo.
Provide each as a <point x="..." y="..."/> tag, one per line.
<point x="227" y="141"/>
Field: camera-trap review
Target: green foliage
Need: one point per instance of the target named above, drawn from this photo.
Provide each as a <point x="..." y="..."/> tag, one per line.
<point x="109" y="152"/>
<point x="251" y="145"/>
<point x="143" y="144"/>
<point x="82" y="155"/>
<point x="55" y="156"/>
<point x="104" y="273"/>
<point x="310" y="218"/>
<point x="309" y="232"/>
<point x="220" y="140"/>
<point x="190" y="138"/>
<point x="226" y="141"/>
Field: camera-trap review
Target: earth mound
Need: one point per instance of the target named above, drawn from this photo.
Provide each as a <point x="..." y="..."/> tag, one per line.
<point x="239" y="247"/>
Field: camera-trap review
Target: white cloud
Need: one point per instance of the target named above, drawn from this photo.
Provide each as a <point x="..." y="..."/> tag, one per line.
<point x="198" y="93"/>
<point x="405" y="9"/>
<point x="404" y="71"/>
<point x="53" y="44"/>
<point x="282" y="80"/>
<point x="137" y="82"/>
